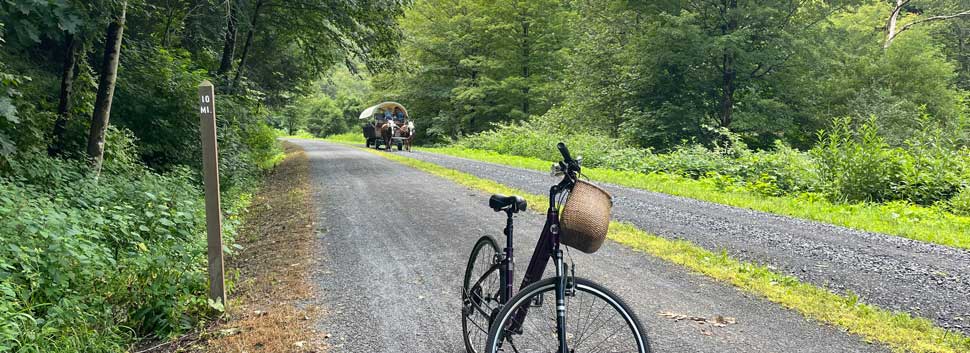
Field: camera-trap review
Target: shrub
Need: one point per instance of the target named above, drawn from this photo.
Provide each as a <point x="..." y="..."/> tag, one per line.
<point x="87" y="264"/>
<point x="849" y="164"/>
<point x="960" y="203"/>
<point x="792" y="171"/>
<point x="931" y="168"/>
<point x="693" y="161"/>
<point x="856" y="164"/>
<point x="528" y="139"/>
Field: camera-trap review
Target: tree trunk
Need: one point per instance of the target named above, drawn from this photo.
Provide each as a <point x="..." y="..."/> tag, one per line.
<point x="106" y="88"/>
<point x="229" y="49"/>
<point x="893" y="19"/>
<point x="168" y="23"/>
<point x="526" y="56"/>
<point x="728" y="76"/>
<point x="249" y="43"/>
<point x="728" y="71"/>
<point x="68" y="74"/>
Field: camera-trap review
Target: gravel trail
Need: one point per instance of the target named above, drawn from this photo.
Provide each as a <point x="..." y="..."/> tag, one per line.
<point x="892" y="272"/>
<point x="395" y="241"/>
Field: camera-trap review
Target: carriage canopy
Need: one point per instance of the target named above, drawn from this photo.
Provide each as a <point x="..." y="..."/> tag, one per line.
<point x="380" y="108"/>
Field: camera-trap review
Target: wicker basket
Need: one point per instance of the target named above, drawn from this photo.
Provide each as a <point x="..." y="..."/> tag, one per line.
<point x="586" y="217"/>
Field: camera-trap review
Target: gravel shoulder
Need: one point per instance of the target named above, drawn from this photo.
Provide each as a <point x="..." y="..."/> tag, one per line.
<point x="895" y="273"/>
<point x="394" y="242"/>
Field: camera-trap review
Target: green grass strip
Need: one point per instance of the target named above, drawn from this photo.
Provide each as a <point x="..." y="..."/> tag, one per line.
<point x="900" y="331"/>
<point x="914" y="222"/>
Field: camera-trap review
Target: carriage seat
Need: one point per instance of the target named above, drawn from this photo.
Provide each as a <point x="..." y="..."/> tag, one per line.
<point x="501" y="202"/>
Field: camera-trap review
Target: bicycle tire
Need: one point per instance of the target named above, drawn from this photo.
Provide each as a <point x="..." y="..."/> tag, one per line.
<point x="475" y="263"/>
<point x="498" y="333"/>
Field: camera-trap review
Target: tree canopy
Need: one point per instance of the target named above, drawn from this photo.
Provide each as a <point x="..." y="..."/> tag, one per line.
<point x="660" y="73"/>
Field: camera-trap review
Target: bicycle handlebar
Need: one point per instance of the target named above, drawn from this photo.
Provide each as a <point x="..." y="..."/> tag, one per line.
<point x="565" y="153"/>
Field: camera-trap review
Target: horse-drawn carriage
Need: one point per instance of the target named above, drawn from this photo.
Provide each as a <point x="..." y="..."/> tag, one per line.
<point x="388" y="124"/>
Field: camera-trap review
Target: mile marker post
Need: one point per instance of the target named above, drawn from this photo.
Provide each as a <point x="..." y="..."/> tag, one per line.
<point x="210" y="174"/>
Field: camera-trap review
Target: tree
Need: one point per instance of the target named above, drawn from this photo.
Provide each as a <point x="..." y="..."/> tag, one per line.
<point x="106" y="87"/>
<point x="258" y="5"/>
<point x="467" y="64"/>
<point x="300" y="40"/>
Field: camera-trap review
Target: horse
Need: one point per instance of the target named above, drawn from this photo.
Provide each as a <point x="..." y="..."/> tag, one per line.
<point x="407" y="132"/>
<point x="392" y="130"/>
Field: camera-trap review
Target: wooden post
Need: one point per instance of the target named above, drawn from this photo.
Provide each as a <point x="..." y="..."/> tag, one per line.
<point x="213" y="209"/>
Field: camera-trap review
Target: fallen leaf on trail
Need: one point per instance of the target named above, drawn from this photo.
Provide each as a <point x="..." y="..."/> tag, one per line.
<point x="716" y="321"/>
<point x="727" y="320"/>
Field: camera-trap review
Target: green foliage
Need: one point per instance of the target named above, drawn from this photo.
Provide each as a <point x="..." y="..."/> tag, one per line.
<point x="960" y="203"/>
<point x="857" y="164"/>
<point x="530" y="139"/>
<point x="87" y="263"/>
<point x="471" y="63"/>
<point x="657" y="74"/>
<point x="156" y="98"/>
<point x="350" y="137"/>
<point x="849" y="164"/>
<point x="332" y="109"/>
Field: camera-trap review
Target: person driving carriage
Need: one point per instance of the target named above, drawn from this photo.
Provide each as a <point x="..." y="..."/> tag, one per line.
<point x="398" y="115"/>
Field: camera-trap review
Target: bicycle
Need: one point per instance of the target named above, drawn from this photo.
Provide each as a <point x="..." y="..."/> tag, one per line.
<point x="496" y="319"/>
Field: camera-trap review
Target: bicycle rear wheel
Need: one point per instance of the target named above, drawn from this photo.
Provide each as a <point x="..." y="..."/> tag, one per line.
<point x="596" y="321"/>
<point x="480" y="294"/>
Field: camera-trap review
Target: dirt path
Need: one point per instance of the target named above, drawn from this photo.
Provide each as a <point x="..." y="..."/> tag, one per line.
<point x="895" y="273"/>
<point x="394" y="244"/>
<point x="272" y="305"/>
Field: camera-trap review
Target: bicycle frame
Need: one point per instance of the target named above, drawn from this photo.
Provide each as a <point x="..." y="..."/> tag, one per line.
<point x="546" y="247"/>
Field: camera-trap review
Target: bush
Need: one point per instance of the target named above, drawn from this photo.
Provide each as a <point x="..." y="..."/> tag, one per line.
<point x="87" y="264"/>
<point x="528" y="139"/>
<point x="849" y="164"/>
<point x="960" y="203"/>
<point x="856" y="165"/>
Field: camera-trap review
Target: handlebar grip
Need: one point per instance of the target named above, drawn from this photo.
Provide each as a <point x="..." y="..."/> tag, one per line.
<point x="565" y="152"/>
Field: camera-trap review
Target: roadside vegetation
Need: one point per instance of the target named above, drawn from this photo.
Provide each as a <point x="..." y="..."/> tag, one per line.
<point x="923" y="192"/>
<point x="900" y="331"/>
<point x="88" y="263"/>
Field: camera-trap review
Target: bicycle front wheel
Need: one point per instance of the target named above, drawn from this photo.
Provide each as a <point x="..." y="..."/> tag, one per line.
<point x="596" y="321"/>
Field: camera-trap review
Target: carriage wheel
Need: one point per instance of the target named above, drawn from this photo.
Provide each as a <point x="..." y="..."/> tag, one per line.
<point x="400" y="146"/>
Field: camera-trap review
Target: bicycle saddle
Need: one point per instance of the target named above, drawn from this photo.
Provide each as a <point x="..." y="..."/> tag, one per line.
<point x="500" y="202"/>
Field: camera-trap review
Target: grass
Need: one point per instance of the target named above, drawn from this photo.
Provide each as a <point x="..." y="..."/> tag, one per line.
<point x="900" y="331"/>
<point x="900" y="219"/>
<point x="349" y="137"/>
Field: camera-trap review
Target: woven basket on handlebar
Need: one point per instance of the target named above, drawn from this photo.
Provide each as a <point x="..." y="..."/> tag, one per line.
<point x="586" y="217"/>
